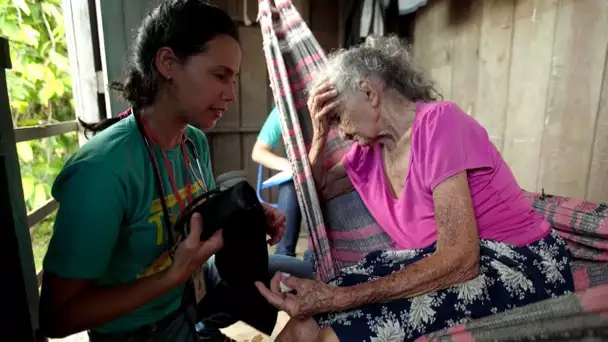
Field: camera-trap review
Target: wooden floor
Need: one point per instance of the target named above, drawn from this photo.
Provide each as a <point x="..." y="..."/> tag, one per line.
<point x="239" y="331"/>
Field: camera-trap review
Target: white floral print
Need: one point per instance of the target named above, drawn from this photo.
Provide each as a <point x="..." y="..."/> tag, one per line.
<point x="510" y="276"/>
<point x="389" y="331"/>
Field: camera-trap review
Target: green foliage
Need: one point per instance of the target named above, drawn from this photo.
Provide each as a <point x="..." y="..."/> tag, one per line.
<point x="40" y="92"/>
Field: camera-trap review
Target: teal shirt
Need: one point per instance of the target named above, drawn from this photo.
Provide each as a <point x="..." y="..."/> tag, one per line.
<point x="109" y="226"/>
<point x="270" y="133"/>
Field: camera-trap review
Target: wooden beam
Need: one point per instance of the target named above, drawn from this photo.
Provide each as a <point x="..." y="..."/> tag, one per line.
<point x="39" y="277"/>
<point x="41" y="213"/>
<point x="86" y="85"/>
<point x="16" y="252"/>
<point x="39" y="132"/>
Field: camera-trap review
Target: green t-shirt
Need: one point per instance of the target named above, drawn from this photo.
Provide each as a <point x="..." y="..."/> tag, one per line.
<point x="109" y="225"/>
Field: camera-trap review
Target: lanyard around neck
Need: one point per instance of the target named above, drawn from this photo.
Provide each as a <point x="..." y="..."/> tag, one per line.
<point x="178" y="197"/>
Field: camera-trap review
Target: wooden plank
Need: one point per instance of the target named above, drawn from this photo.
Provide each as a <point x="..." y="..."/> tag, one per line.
<point x="39" y="132"/>
<point x="494" y="66"/>
<point x="597" y="186"/>
<point x="578" y="57"/>
<point x="466" y="22"/>
<point x="113" y="48"/>
<point x="21" y="295"/>
<point x="134" y="12"/>
<point x="328" y="40"/>
<point x="226" y="153"/>
<point x="254" y="79"/>
<point x="79" y="38"/>
<point x="531" y="55"/>
<point x="323" y="15"/>
<point x="433" y="45"/>
<point x="248" y="10"/>
<point x="39" y="277"/>
<point x="231" y="7"/>
<point x="41" y="213"/>
<point x="422" y="49"/>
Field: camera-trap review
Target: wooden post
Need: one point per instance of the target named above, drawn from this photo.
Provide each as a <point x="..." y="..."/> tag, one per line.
<point x="20" y="299"/>
<point x="86" y="85"/>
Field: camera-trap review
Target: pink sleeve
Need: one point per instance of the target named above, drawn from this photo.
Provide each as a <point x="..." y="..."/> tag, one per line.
<point x="450" y="142"/>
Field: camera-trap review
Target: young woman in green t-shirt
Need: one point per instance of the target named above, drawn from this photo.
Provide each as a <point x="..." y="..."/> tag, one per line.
<point x="107" y="269"/>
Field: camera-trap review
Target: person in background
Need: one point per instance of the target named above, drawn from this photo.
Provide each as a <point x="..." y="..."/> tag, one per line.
<point x="288" y="200"/>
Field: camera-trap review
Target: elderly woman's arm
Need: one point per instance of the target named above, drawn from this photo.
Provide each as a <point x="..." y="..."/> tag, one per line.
<point x="321" y="104"/>
<point x="455" y="261"/>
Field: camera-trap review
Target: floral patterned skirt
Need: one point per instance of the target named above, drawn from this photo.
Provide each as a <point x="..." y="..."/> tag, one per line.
<point x="509" y="277"/>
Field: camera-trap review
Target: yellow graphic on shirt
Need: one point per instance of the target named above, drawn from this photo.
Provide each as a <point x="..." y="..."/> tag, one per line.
<point x="156" y="217"/>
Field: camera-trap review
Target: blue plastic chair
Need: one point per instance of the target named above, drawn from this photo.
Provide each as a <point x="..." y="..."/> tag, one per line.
<point x="263" y="186"/>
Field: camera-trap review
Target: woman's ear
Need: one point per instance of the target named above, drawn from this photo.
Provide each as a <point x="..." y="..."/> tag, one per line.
<point x="165" y="62"/>
<point x="370" y="92"/>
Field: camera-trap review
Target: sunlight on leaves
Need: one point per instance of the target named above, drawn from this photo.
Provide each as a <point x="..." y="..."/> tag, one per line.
<point x="25" y="152"/>
<point x="22" y="6"/>
<point x="39" y="196"/>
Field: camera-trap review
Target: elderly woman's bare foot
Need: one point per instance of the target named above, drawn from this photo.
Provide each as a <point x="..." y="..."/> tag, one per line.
<point x="306" y="331"/>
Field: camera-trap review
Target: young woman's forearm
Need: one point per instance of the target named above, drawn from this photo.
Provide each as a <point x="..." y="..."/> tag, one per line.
<point x="315" y="156"/>
<point x="99" y="305"/>
<point x="270" y="160"/>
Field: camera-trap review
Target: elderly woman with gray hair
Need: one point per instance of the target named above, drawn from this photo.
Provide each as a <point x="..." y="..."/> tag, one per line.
<point x="466" y="243"/>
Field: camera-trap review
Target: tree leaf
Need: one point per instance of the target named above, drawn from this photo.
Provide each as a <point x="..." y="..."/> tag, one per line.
<point x="22" y="5"/>
<point x="28" y="187"/>
<point x="39" y="196"/>
<point x="29" y="35"/>
<point x="24" y="150"/>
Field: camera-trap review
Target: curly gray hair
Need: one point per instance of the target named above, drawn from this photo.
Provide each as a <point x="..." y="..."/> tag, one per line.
<point x="384" y="59"/>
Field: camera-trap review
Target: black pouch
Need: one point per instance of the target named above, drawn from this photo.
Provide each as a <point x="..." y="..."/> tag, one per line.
<point x="238" y="212"/>
<point x="244" y="258"/>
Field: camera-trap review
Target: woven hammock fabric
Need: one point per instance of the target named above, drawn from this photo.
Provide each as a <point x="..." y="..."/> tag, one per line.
<point x="292" y="56"/>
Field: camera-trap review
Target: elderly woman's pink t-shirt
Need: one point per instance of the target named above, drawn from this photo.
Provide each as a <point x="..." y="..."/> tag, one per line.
<point x="445" y="142"/>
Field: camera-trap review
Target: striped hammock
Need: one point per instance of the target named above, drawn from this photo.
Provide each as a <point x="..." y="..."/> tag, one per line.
<point x="292" y="56"/>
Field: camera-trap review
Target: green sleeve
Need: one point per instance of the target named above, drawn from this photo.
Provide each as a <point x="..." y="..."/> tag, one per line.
<point x="270" y="133"/>
<point x="92" y="202"/>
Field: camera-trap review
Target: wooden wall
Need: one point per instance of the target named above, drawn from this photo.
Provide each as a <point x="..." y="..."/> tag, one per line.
<point x="232" y="140"/>
<point x="534" y="73"/>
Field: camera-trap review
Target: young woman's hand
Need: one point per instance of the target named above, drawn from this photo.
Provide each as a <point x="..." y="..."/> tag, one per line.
<point x="276" y="223"/>
<point x="192" y="253"/>
<point x="322" y="102"/>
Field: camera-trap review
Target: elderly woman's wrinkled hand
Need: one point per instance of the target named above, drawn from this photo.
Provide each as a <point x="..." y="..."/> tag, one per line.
<point x="306" y="298"/>
<point x="321" y="103"/>
<point x="276" y="223"/>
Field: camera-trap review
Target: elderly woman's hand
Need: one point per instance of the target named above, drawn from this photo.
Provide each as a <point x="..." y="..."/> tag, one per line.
<point x="307" y="298"/>
<point x="276" y="223"/>
<point x="321" y="103"/>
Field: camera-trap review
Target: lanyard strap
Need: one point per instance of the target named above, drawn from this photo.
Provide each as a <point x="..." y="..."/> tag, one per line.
<point x="159" y="184"/>
<point x="150" y="132"/>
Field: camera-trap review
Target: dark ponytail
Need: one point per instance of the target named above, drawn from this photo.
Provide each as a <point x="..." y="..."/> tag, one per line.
<point x="185" y="26"/>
